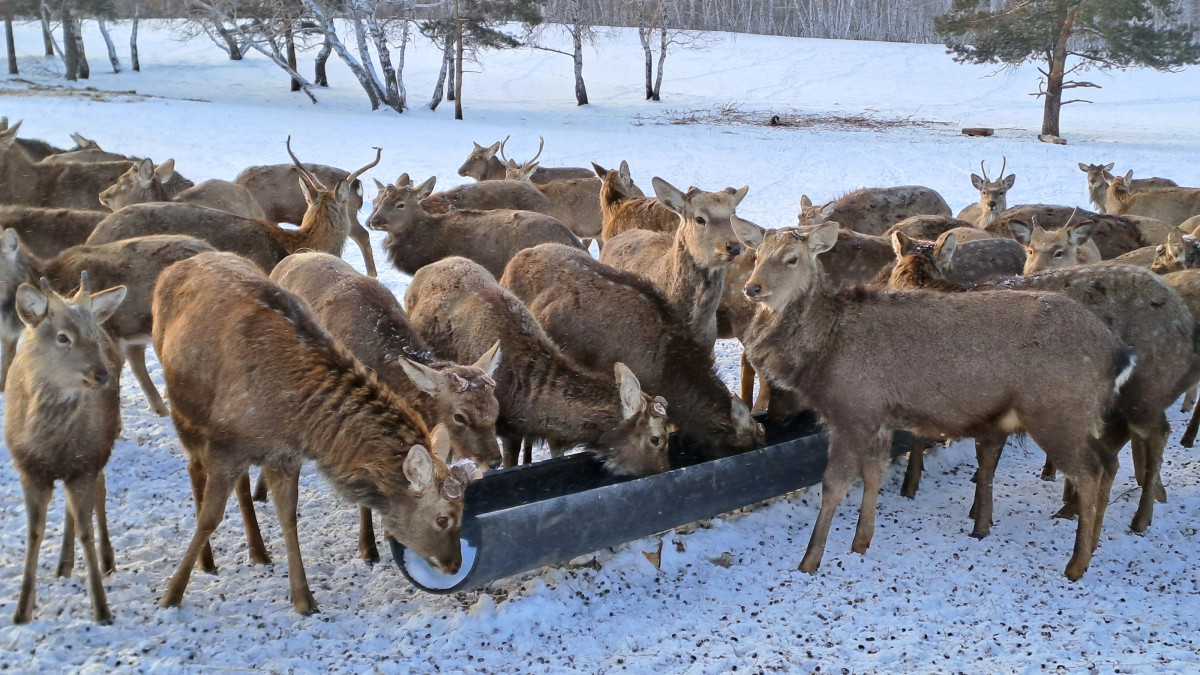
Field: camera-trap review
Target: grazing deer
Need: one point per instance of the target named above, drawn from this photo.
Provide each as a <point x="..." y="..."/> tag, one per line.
<point x="624" y="207"/>
<point x="600" y="316"/>
<point x="482" y="164"/>
<point x="1171" y="205"/>
<point x="874" y="210"/>
<point x="460" y="310"/>
<point x="1145" y="314"/>
<point x="278" y="190"/>
<point x="225" y="335"/>
<point x="131" y="263"/>
<point x="807" y="336"/>
<point x="418" y="235"/>
<point x="48" y="231"/>
<point x="364" y="315"/>
<point x="143" y="182"/>
<point x="1098" y="180"/>
<point x="62" y="415"/>
<point x="993" y="196"/>
<point x="324" y="227"/>
<point x="689" y="266"/>
<point x="1064" y="247"/>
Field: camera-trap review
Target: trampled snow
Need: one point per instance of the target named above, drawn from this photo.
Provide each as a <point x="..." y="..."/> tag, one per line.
<point x="726" y="595"/>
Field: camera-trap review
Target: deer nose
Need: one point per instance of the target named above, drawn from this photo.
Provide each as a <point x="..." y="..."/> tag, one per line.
<point x="102" y="378"/>
<point x="753" y="290"/>
<point x="376" y="223"/>
<point x="992" y="204"/>
<point x="733" y="248"/>
<point x="495" y="463"/>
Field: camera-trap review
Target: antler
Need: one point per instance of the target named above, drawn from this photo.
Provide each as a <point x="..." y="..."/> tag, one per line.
<point x="1003" y="166"/>
<point x="354" y="176"/>
<point x="84" y="296"/>
<point x="502" y="144"/>
<point x="303" y="172"/>
<point x="541" y="144"/>
<point x="985" y="176"/>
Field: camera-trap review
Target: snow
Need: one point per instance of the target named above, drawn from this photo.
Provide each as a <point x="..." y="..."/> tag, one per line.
<point x="727" y="595"/>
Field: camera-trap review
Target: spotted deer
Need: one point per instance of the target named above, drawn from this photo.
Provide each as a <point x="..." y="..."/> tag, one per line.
<point x="993" y="196"/>
<point x="874" y="210"/>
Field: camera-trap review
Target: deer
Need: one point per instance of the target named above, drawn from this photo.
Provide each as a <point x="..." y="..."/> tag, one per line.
<point x="62" y="185"/>
<point x="993" y="196"/>
<point x="62" y="416"/>
<point x="143" y="182"/>
<point x="85" y="150"/>
<point x="689" y="266"/>
<point x="418" y="235"/>
<point x="483" y="165"/>
<point x="1063" y="247"/>
<point x="1186" y="283"/>
<point x="1171" y="205"/>
<point x="459" y="309"/>
<point x="930" y="228"/>
<point x="277" y="189"/>
<point x="1181" y="252"/>
<point x="131" y="263"/>
<point x="574" y="201"/>
<point x="324" y="228"/>
<point x="1098" y="180"/>
<point x="257" y="342"/>
<point x="364" y="315"/>
<point x="807" y="335"/>
<point x="1145" y="313"/>
<point x="1112" y="235"/>
<point x="600" y="315"/>
<point x="874" y="210"/>
<point x="48" y="231"/>
<point x="624" y="207"/>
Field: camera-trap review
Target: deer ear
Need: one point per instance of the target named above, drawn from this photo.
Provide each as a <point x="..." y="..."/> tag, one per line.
<point x="165" y="171"/>
<point x="379" y="186"/>
<point x="739" y="194"/>
<point x="493" y="148"/>
<point x="1009" y="181"/>
<point x="1020" y="232"/>
<point x="310" y="193"/>
<point x="425" y="189"/>
<point x="823" y="238"/>
<point x="418" y="469"/>
<point x="31" y="305"/>
<point x="1109" y="166"/>
<point x="902" y="244"/>
<point x="1129" y="175"/>
<point x="805" y="202"/>
<point x="342" y="190"/>
<point x="403" y="180"/>
<point x="668" y="194"/>
<point x="145" y="170"/>
<point x="632" y="401"/>
<point x="827" y="210"/>
<point x="1083" y="167"/>
<point x="976" y="181"/>
<point x="601" y="172"/>
<point x="490" y="360"/>
<point x="747" y="232"/>
<point x="9" y="136"/>
<point x="439" y="438"/>
<point x="427" y="379"/>
<point x="1080" y="233"/>
<point x="624" y="170"/>
<point x="106" y="302"/>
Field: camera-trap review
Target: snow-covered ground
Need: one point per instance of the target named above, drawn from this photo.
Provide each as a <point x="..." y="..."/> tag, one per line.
<point x="925" y="598"/>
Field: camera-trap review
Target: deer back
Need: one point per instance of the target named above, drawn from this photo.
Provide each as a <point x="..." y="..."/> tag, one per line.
<point x="276" y="189"/>
<point x="48" y="231"/>
<point x="874" y="210"/>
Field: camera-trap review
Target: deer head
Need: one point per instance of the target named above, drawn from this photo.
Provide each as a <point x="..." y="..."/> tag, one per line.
<point x="1181" y="252"/>
<point x="993" y="194"/>
<point x="399" y="207"/>
<point x="141" y="183"/>
<point x="787" y="266"/>
<point x="1047" y="249"/>
<point x="479" y="163"/>
<point x="704" y="220"/>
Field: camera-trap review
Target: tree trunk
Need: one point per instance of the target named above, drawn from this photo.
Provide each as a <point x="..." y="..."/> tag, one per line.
<point x="85" y="70"/>
<point x="441" y="78"/>
<point x="644" y="36"/>
<point x="403" y="94"/>
<point x="70" y="46"/>
<point x="289" y="39"/>
<point x="322" y="59"/>
<point x="235" y="50"/>
<point x="458" y="60"/>
<point x="662" y="58"/>
<point x="390" y="82"/>
<point x="112" y="49"/>
<point x="1054" y="81"/>
<point x="133" y="52"/>
<point x="580" y="88"/>
<point x="450" y="78"/>
<point x="47" y="36"/>
<point x="11" y="44"/>
<point x="366" y="79"/>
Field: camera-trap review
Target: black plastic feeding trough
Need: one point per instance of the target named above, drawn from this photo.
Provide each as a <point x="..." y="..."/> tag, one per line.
<point x="519" y="519"/>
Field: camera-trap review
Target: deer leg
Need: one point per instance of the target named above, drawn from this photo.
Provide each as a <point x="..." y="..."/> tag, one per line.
<point x="285" y="488"/>
<point x="839" y="477"/>
<point x="216" y="489"/>
<point x="66" y="558"/>
<point x="1189" y="434"/>
<point x="8" y="351"/>
<point x="764" y="397"/>
<point x="916" y="464"/>
<point x="527" y="450"/>
<point x="81" y="501"/>
<point x="1087" y="492"/>
<point x="366" y="536"/>
<point x="1152" y="439"/>
<point x="873" y="466"/>
<point x="1048" y="471"/>
<point x="108" y="563"/>
<point x="1189" y="398"/>
<point x="199" y="478"/>
<point x="260" y="489"/>
<point x="512" y="449"/>
<point x="747" y="381"/>
<point x="363" y="238"/>
<point x="254" y="540"/>
<point x="136" y="355"/>
<point x="988" y="448"/>
<point x="37" y="499"/>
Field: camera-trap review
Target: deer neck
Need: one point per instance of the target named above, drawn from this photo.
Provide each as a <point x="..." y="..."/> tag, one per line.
<point x="695" y="290"/>
<point x="562" y="398"/>
<point x="322" y="229"/>
<point x="1099" y="197"/>
<point x="790" y="344"/>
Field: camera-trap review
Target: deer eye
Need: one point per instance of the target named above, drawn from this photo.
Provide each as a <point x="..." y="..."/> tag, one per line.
<point x="700" y="220"/>
<point x="1058" y="254"/>
<point x="63" y="339"/>
<point x="443" y="522"/>
<point x="399" y="205"/>
<point x="791" y="262"/>
<point x="655" y="441"/>
<point x="459" y="419"/>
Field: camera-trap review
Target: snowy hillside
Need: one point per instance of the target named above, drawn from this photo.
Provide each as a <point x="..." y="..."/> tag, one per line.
<point x="925" y="598"/>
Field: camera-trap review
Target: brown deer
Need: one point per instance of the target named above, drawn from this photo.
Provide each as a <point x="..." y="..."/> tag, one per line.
<point x="807" y="336"/>
<point x="487" y="196"/>
<point x="324" y="228"/>
<point x="364" y="315"/>
<point x="48" y="231"/>
<point x="1145" y="314"/>
<point x="482" y="164"/>
<point x="278" y="190"/>
<point x="1181" y="252"/>
<point x="1186" y="283"/>
<point x="62" y="415"/>
<point x="600" y="316"/>
<point x="993" y="196"/>
<point x="143" y="182"/>
<point x="460" y="310"/>
<point x="85" y="150"/>
<point x="1097" y="183"/>
<point x="874" y="210"/>
<point x="1112" y="235"/>
<point x="1064" y="247"/>
<point x="624" y="207"/>
<point x="418" y="235"/>
<point x="574" y="201"/>
<point x="225" y="335"/>
<point x="689" y="266"/>
<point x="929" y="228"/>
<point x="131" y="263"/>
<point x="1171" y="205"/>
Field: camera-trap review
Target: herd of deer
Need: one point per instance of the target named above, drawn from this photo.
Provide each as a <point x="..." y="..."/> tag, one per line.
<point x="879" y="310"/>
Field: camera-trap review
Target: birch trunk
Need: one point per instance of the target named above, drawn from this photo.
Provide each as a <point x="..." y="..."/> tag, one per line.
<point x="662" y="58"/>
<point x="84" y="69"/>
<point x="644" y="37"/>
<point x="11" y="45"/>
<point x="322" y="59"/>
<point x="112" y="49"/>
<point x="581" y="97"/>
<point x="70" y="46"/>
<point x="440" y="87"/>
<point x="133" y="50"/>
<point x="390" y="81"/>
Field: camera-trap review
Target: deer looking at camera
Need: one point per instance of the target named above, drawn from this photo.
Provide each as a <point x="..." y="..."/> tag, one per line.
<point x="1098" y="179"/>
<point x="993" y="196"/>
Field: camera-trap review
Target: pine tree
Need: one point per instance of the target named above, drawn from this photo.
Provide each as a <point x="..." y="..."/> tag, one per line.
<point x="1101" y="34"/>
